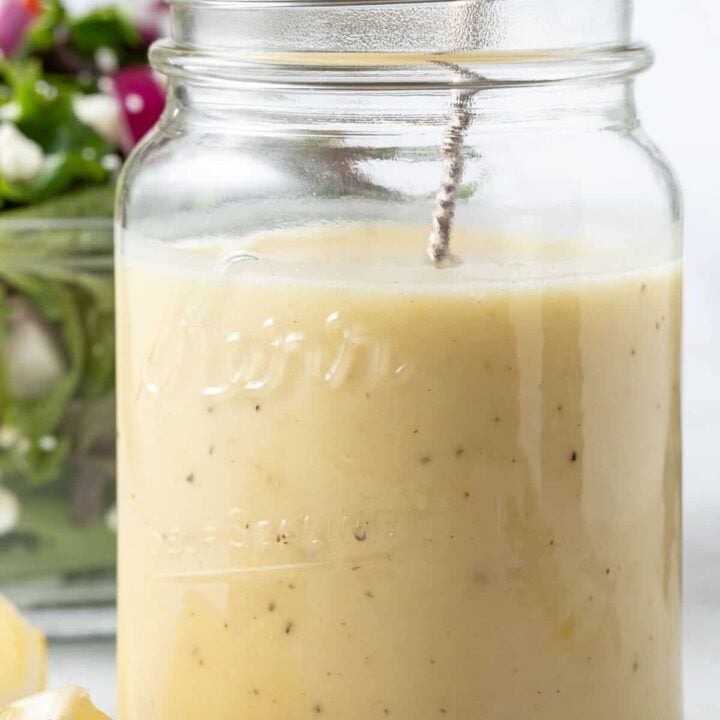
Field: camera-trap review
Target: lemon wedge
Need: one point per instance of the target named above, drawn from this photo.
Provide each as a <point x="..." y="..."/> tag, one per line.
<point x="66" y="703"/>
<point x="23" y="655"/>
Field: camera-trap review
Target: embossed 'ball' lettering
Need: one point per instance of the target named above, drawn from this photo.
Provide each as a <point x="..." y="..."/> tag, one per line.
<point x="335" y="352"/>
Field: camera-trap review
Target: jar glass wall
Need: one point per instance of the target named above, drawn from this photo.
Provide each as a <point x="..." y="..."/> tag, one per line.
<point x="359" y="482"/>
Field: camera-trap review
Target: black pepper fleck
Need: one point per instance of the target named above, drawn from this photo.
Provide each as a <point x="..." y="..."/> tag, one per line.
<point x="271" y="606"/>
<point x="574" y="456"/>
<point x="211" y="450"/>
<point x="636" y="665"/>
<point x="607" y="571"/>
<point x="317" y="708"/>
<point x="633" y="352"/>
<point x="210" y="409"/>
<point x="196" y="654"/>
<point x="256" y="691"/>
<point x="368" y="593"/>
<point x="288" y="628"/>
<point x="643" y="287"/>
<point x="190" y="478"/>
<point x="466" y="494"/>
<point x="425" y="460"/>
<point x="459" y="452"/>
<point x="257" y="408"/>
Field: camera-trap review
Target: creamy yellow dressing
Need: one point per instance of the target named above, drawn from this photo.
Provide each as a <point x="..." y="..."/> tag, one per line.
<point x="354" y="486"/>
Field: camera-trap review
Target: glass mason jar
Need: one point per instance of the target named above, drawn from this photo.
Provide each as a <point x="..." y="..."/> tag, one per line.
<point x="398" y="291"/>
<point x="57" y="412"/>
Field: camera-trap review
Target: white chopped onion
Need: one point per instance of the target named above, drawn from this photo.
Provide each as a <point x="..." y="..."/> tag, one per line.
<point x="21" y="158"/>
<point x="111" y="519"/>
<point x="9" y="511"/>
<point x="8" y="437"/>
<point x="33" y="357"/>
<point x="103" y="114"/>
<point x="47" y="443"/>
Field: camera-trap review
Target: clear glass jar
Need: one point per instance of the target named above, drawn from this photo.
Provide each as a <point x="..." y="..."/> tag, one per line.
<point x="57" y="413"/>
<point x="358" y="481"/>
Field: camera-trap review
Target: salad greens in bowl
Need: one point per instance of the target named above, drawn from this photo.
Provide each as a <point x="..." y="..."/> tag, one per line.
<point x="75" y="95"/>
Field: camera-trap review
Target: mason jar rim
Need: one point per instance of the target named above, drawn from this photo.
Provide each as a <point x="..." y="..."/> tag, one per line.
<point x="401" y="72"/>
<point x="386" y="43"/>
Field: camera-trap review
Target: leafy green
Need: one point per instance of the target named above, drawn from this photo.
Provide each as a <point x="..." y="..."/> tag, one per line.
<point x="42" y="35"/>
<point x="34" y="418"/>
<point x="6" y="397"/>
<point x="98" y="375"/>
<point x="59" y="60"/>
<point x="74" y="152"/>
<point x="79" y="306"/>
<point x="467" y="190"/>
<point x="104" y="27"/>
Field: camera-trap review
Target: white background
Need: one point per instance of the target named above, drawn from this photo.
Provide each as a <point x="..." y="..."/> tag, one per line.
<point x="679" y="101"/>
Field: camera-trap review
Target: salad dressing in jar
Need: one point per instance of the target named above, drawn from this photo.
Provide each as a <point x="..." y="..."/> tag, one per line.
<point x="398" y="295"/>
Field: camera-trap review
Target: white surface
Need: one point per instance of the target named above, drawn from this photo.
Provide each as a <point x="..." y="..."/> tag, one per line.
<point x="88" y="664"/>
<point x="680" y="103"/>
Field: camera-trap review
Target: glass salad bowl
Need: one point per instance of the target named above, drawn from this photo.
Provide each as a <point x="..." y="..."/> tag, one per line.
<point x="57" y="415"/>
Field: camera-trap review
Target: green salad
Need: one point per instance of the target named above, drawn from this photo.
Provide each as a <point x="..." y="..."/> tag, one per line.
<point x="65" y="128"/>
